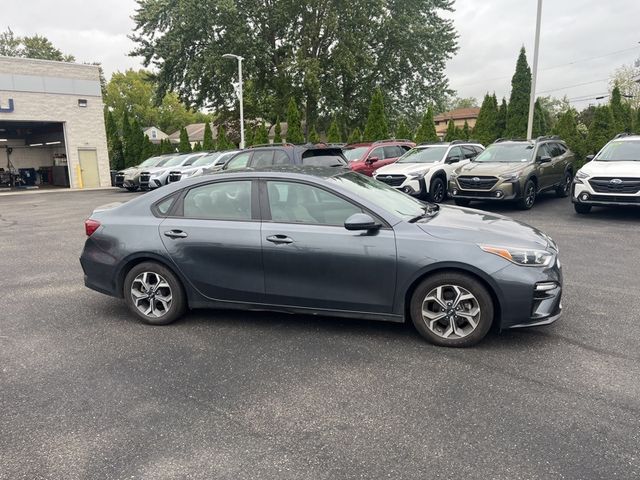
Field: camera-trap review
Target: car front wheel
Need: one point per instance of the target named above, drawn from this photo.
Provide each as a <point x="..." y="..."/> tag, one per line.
<point x="564" y="188"/>
<point x="154" y="294"/>
<point x="437" y="190"/>
<point x="451" y="309"/>
<point x="529" y="196"/>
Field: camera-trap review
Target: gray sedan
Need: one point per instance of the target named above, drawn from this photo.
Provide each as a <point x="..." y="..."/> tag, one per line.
<point x="322" y="241"/>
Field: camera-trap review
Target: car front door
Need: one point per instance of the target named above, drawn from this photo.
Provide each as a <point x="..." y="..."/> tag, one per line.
<point x="213" y="237"/>
<point x="545" y="169"/>
<point x="312" y="261"/>
<point x="559" y="162"/>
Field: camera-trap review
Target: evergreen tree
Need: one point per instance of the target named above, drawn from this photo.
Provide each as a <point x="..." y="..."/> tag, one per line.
<point x="637" y="124"/>
<point x="334" y="136"/>
<point x="622" y="116"/>
<point x="403" y="132"/>
<point x="451" y="132"/>
<point x="486" y="128"/>
<point x="277" y="132"/>
<point x="601" y="130"/>
<point x="223" y="143"/>
<point x="127" y="146"/>
<point x="184" y="146"/>
<point x="167" y="146"/>
<point x="427" y="130"/>
<point x="501" y="122"/>
<point x="539" y="120"/>
<point x="567" y="129"/>
<point x="249" y="136"/>
<point x="148" y="148"/>
<point x="313" y="135"/>
<point x="518" y="113"/>
<point x="466" y="132"/>
<point x="261" y="135"/>
<point x="294" y="129"/>
<point x="376" y="127"/>
<point x="114" y="142"/>
<point x="207" y="141"/>
<point x="356" y="136"/>
<point x="197" y="147"/>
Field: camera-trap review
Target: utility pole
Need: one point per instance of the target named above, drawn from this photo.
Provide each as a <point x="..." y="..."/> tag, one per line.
<point x="534" y="73"/>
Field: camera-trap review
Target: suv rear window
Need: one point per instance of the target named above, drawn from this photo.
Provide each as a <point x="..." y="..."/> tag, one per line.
<point x="324" y="157"/>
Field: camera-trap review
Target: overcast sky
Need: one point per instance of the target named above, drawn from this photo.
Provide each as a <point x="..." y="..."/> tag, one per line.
<point x="491" y="33"/>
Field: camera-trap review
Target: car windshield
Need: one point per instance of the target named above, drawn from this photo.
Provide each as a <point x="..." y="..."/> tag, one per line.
<point x="164" y="161"/>
<point x="206" y="160"/>
<point x="175" y="161"/>
<point x="423" y="155"/>
<point x="506" y="152"/>
<point x="382" y="195"/>
<point x="627" y="151"/>
<point x="224" y="157"/>
<point x="150" y="162"/>
<point x="354" y="154"/>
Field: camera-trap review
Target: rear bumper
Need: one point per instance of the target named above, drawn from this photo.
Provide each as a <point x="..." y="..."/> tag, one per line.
<point x="99" y="269"/>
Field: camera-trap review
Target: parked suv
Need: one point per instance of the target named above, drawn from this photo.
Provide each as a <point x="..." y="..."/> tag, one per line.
<point x="515" y="170"/>
<point x="212" y="160"/>
<point x="286" y="154"/>
<point x="367" y="157"/>
<point x="424" y="170"/>
<point x="610" y="178"/>
<point x="129" y="178"/>
<point x="158" y="176"/>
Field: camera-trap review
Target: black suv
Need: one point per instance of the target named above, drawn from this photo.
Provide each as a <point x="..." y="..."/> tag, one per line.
<point x="287" y="154"/>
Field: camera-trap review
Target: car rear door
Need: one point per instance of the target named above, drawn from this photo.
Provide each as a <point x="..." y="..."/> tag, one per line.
<point x="213" y="237"/>
<point x="545" y="170"/>
<point x="312" y="261"/>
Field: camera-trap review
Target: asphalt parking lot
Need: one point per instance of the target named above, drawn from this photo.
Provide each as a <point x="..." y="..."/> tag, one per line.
<point x="88" y="392"/>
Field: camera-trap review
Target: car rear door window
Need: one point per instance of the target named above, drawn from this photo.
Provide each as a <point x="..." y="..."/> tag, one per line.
<point x="239" y="161"/>
<point x="543" y="151"/>
<point x="469" y="152"/>
<point x="281" y="158"/>
<point x="292" y="202"/>
<point x="219" y="201"/>
<point x="262" y="158"/>
<point x="377" y="153"/>
<point x="393" y="151"/>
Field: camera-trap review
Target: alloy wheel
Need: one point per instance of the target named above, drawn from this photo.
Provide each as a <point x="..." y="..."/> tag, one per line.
<point x="567" y="183"/>
<point x="151" y="294"/>
<point x="438" y="193"/>
<point x="530" y="196"/>
<point x="451" y="311"/>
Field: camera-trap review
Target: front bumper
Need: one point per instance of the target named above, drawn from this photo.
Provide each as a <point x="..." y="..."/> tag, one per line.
<point x="581" y="192"/>
<point x="501" y="191"/>
<point x="413" y="186"/>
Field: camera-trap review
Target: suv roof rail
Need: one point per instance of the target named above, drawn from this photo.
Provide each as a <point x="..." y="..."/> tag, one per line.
<point x="431" y="143"/>
<point x="546" y="137"/>
<point x="388" y="140"/>
<point x="623" y="134"/>
<point x="499" y="140"/>
<point x="458" y="142"/>
<point x="271" y="145"/>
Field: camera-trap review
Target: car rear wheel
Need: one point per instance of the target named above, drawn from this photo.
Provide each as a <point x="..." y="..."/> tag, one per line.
<point x="529" y="196"/>
<point x="154" y="294"/>
<point x="437" y="190"/>
<point x="564" y="188"/>
<point x="462" y="203"/>
<point x="582" y="208"/>
<point x="451" y="309"/>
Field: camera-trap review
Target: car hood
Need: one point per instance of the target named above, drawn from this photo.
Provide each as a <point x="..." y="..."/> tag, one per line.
<point x="612" y="169"/>
<point x="157" y="170"/>
<point x="490" y="168"/>
<point x="467" y="224"/>
<point x="186" y="169"/>
<point x="129" y="171"/>
<point x="404" y="168"/>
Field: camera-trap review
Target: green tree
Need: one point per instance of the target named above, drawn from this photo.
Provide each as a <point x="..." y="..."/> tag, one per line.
<point x="501" y="122"/>
<point x="294" y="129"/>
<point x="314" y="137"/>
<point x="539" y="120"/>
<point x="10" y="45"/>
<point x="334" y="135"/>
<point x="184" y="146"/>
<point x="277" y="132"/>
<point x="261" y="134"/>
<point x="36" y="46"/>
<point x="486" y="128"/>
<point x="356" y="136"/>
<point x="114" y="142"/>
<point x="622" y="116"/>
<point x="166" y="146"/>
<point x="249" y="135"/>
<point x="326" y="54"/>
<point x="451" y="134"/>
<point x="207" y="141"/>
<point x="601" y="130"/>
<point x="518" y="113"/>
<point x="376" y="127"/>
<point x="427" y="129"/>
<point x="403" y="132"/>
<point x="567" y="129"/>
<point x="148" y="148"/>
<point x="465" y="133"/>
<point x="223" y="143"/>
<point x="637" y="122"/>
<point x="197" y="147"/>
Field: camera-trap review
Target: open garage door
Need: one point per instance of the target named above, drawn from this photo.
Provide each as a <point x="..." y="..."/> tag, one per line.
<point x="33" y="155"/>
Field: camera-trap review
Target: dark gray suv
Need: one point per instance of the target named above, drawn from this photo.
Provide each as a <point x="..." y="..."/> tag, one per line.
<point x="322" y="241"/>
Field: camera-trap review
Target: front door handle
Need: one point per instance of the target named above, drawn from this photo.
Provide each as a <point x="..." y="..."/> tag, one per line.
<point x="279" y="239"/>
<point x="176" y="234"/>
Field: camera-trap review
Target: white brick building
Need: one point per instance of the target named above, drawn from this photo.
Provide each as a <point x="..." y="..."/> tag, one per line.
<point x="51" y="122"/>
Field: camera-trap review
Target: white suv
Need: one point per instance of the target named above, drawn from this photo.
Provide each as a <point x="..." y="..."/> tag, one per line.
<point x="611" y="178"/>
<point x="424" y="170"/>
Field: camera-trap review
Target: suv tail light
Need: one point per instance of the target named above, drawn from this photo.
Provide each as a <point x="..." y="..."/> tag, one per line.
<point x="90" y="226"/>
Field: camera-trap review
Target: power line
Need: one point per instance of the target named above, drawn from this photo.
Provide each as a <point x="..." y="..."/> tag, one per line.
<point x="572" y="86"/>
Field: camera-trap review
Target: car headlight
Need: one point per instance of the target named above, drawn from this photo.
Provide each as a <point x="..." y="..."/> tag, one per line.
<point x="415" y="175"/>
<point x="521" y="256"/>
<point x="511" y="177"/>
<point x="580" y="176"/>
<point x="453" y="175"/>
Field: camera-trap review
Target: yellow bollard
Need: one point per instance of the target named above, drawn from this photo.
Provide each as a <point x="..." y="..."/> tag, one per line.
<point x="79" y="176"/>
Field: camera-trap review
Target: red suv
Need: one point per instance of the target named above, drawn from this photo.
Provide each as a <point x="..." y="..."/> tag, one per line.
<point x="367" y="157"/>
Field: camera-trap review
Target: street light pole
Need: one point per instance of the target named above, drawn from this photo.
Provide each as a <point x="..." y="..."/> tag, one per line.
<point x="239" y="94"/>
<point x="534" y="76"/>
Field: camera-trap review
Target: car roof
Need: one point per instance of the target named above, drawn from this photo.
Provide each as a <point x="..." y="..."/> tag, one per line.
<point x="631" y="137"/>
<point x="379" y="143"/>
<point x="293" y="170"/>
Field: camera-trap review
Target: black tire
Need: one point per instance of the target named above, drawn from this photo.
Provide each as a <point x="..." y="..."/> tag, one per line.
<point x="176" y="306"/>
<point x="437" y="190"/>
<point x="564" y="188"/>
<point x="132" y="189"/>
<point x="528" y="196"/>
<point x="466" y="282"/>
<point x="462" y="202"/>
<point x="581" y="208"/>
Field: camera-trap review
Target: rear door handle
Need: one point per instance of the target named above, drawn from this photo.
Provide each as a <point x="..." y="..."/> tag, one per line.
<point x="176" y="234"/>
<point x="279" y="239"/>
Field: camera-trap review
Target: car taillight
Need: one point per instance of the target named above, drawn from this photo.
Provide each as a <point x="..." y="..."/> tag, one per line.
<point x="90" y="226"/>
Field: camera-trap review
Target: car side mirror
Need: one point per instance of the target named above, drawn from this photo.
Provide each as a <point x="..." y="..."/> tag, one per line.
<point x="361" y="221"/>
<point x="455" y="159"/>
<point x="544" y="159"/>
<point x="372" y="159"/>
<point x="588" y="158"/>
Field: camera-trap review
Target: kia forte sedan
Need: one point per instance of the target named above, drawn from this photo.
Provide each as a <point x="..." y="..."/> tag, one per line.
<point x="322" y="241"/>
